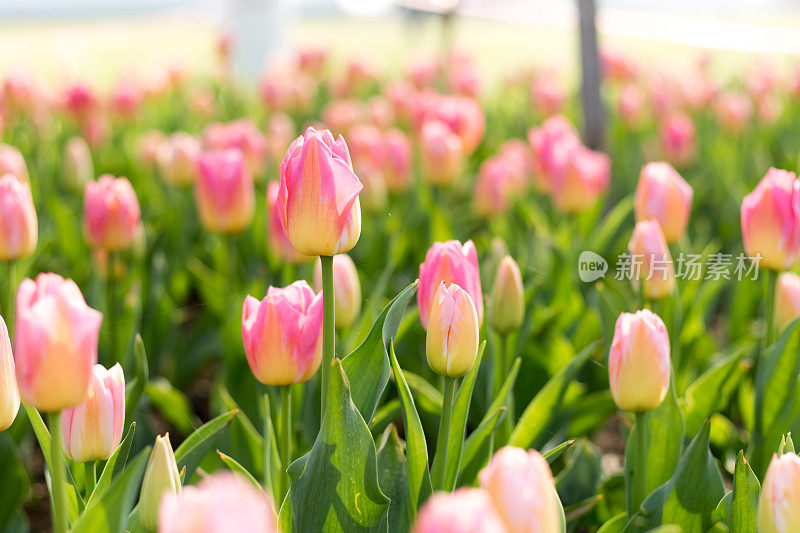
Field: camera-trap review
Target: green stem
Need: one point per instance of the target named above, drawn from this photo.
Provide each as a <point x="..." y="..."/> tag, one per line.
<point x="769" y="311"/>
<point x="286" y="436"/>
<point x="508" y="356"/>
<point x="57" y="475"/>
<point x="90" y="472"/>
<point x="111" y="307"/>
<point x="8" y="297"/>
<point x="639" y="482"/>
<point x="267" y="418"/>
<point x="328" y="324"/>
<point x="444" y="430"/>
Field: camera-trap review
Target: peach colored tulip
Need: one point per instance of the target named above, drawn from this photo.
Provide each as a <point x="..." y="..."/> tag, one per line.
<point x="346" y="289"/>
<point x="465" y="118"/>
<point x="221" y="503"/>
<point x="451" y="344"/>
<point x="771" y="220"/>
<point x="677" y="136"/>
<point x="177" y="159"/>
<point x="19" y="230"/>
<point x="12" y="162"/>
<point x="631" y="105"/>
<point x="147" y="147"/>
<point x="280" y="132"/>
<point x="508" y="297"/>
<point x="282" y="334"/>
<point x="111" y="213"/>
<point x="397" y="160"/>
<point x="552" y="145"/>
<point x="449" y="262"/>
<point x="78" y="166"/>
<point x="639" y="361"/>
<point x="278" y="240"/>
<point x="127" y="97"/>
<point x="787" y="299"/>
<point x="161" y="477"/>
<point x="466" y="510"/>
<point x="651" y="261"/>
<point x="779" y="503"/>
<point x="662" y="194"/>
<point x="318" y="198"/>
<point x="497" y="184"/>
<point x="92" y="430"/>
<point x="242" y="134"/>
<point x="585" y="179"/>
<point x="734" y="111"/>
<point x="224" y="191"/>
<point x="521" y="487"/>
<point x="9" y="392"/>
<point x="442" y="153"/>
<point x="548" y="94"/>
<point x="55" y="344"/>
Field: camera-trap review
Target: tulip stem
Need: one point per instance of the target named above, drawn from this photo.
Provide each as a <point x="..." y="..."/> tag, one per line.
<point x="57" y="475"/>
<point x="91" y="477"/>
<point x="769" y="311"/>
<point x="8" y="297"/>
<point x="639" y="482"/>
<point x="328" y="324"/>
<point x="444" y="430"/>
<point x="111" y="307"/>
<point x="286" y="436"/>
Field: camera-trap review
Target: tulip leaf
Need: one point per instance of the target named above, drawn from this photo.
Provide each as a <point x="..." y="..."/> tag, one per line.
<point x="544" y="406"/>
<point x="615" y="524"/>
<point x="419" y="477"/>
<point x="114" y="465"/>
<point x="234" y="466"/>
<point x="243" y="433"/>
<point x="393" y="479"/>
<point x="610" y="225"/>
<point x="505" y="389"/>
<point x="197" y="445"/>
<point x="580" y="477"/>
<point x="135" y="388"/>
<point x="335" y="485"/>
<point x="744" y="502"/>
<point x="14" y="482"/>
<point x="272" y="460"/>
<point x="384" y="416"/>
<point x="110" y="512"/>
<point x="554" y="453"/>
<point x="370" y="360"/>
<point x="171" y="403"/>
<point x="479" y="446"/>
<point x="428" y="397"/>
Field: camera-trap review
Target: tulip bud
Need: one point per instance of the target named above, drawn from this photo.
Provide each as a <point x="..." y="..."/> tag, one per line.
<point x="224" y="191"/>
<point x="12" y="162"/>
<point x="9" y="393"/>
<point x="452" y="341"/>
<point x="449" y="262"/>
<point x="651" y="262"/>
<point x="779" y="503"/>
<point x="631" y="105"/>
<point x="177" y="159"/>
<point x="346" y="289"/>
<point x="678" y="139"/>
<point x="464" y="116"/>
<point x="552" y="145"/>
<point x="639" y="361"/>
<point x="318" y="199"/>
<point x="147" y="147"/>
<point x="243" y="135"/>
<point x="111" y="213"/>
<point x="586" y="177"/>
<point x="787" y="299"/>
<point x="160" y="477"/>
<point x="663" y="195"/>
<point x="282" y="334"/>
<point x="466" y="510"/>
<point x="92" y="430"/>
<point x="495" y="187"/>
<point x="508" y="297"/>
<point x="734" y="110"/>
<point x="55" y="342"/>
<point x="78" y="166"/>
<point x="442" y="153"/>
<point x="771" y="220"/>
<point x="521" y="488"/>
<point x="221" y="503"/>
<point x="19" y="230"/>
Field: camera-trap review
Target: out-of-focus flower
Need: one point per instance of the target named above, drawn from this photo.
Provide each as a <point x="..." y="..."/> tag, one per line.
<point x="734" y="110"/>
<point x="400" y="94"/>
<point x="451" y="345"/>
<point x="19" y="230"/>
<point x="771" y="220"/>
<point x="769" y="109"/>
<point x="548" y="93"/>
<point x="243" y="135"/>
<point x="423" y="71"/>
<point x="380" y="112"/>
<point x="203" y="101"/>
<point x="78" y="166"/>
<point x="126" y="99"/>
<point x="518" y="156"/>
<point x="465" y="118"/>
<point x="521" y="488"/>
<point x="95" y="129"/>
<point x="639" y="361"/>
<point x="9" y="393"/>
<point x="318" y="197"/>
<point x="495" y="187"/>
<point x="761" y="78"/>
<point x="111" y="213"/>
<point x="779" y="503"/>
<point x="449" y="262"/>
<point x="55" y="343"/>
<point x="148" y="147"/>
<point x="466" y="510"/>
<point x="224" y="191"/>
<point x="280" y="132"/>
<point x="586" y="178"/>
<point x="662" y="194"/>
<point x="12" y="162"/>
<point x="552" y="144"/>
<point x="79" y="100"/>
<point x="278" y="240"/>
<point x="340" y="115"/>
<point x="177" y="159"/>
<point x="312" y="59"/>
<point x="346" y="289"/>
<point x="220" y="503"/>
<point x="442" y="153"/>
<point x="160" y="477"/>
<point x="21" y="91"/>
<point x="677" y="136"/>
<point x="631" y="105"/>
<point x="618" y="66"/>
<point x="282" y="334"/>
<point x="787" y="299"/>
<point x="396" y="160"/>
<point x="508" y="297"/>
<point x="92" y="430"/>
<point x="656" y="272"/>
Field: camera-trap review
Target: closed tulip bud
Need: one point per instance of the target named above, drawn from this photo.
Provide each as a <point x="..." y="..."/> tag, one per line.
<point x="160" y="477"/>
<point x="466" y="510"/>
<point x="449" y="262"/>
<point x="465" y="118"/>
<point x="771" y="220"/>
<point x="243" y="135"/>
<point x="55" y="343"/>
<point x="734" y="110"/>
<point x="224" y="191"/>
<point x="787" y="299"/>
<point x="677" y="136"/>
<point x="586" y="178"/>
<point x="663" y="195"/>
<point x="19" y="229"/>
<point x="318" y="199"/>
<point x="779" y="503"/>
<point x="177" y="159"/>
<point x="12" y="162"/>
<point x="221" y="503"/>
<point x="552" y="145"/>
<point x="442" y="153"/>
<point x="451" y="344"/>
<point x="346" y="289"/>
<point x="521" y="488"/>
<point x="508" y="298"/>
<point x="278" y="240"/>
<point x="653" y="262"/>
<point x="147" y="147"/>
<point x="496" y="186"/>
<point x="397" y="160"/>
<point x="111" y="213"/>
<point x="78" y="166"/>
<point x="92" y="430"/>
<point x="9" y="393"/>
<point x="638" y="363"/>
<point x="631" y="105"/>
<point x="282" y="334"/>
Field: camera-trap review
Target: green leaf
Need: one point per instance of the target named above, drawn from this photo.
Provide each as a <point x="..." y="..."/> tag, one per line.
<point x="544" y="406"/>
<point x="555" y="453"/>
<point x="272" y="458"/>
<point x="14" y="482"/>
<point x="611" y="224"/>
<point x="234" y="466"/>
<point x="384" y="416"/>
<point x="744" y="503"/>
<point x="479" y="446"/>
<point x="580" y="477"/>
<point x="335" y="485"/>
<point x="120" y="455"/>
<point x="243" y="433"/>
<point x="135" y="388"/>
<point x="502" y="394"/>
<point x="615" y="525"/>
<point x="370" y="360"/>
<point x="393" y="479"/>
<point x="197" y="445"/>
<point x="426" y="394"/>
<point x="787" y="444"/>
<point x="171" y="403"/>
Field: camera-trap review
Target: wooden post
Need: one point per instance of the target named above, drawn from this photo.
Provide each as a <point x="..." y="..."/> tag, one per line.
<point x="593" y="112"/>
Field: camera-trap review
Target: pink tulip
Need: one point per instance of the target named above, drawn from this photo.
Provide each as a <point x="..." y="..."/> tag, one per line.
<point x="282" y="334"/>
<point x="521" y="487"/>
<point x="449" y="262"/>
<point x="552" y="145"/>
<point x="278" y="240"/>
<point x="79" y="100"/>
<point x="366" y="147"/>
<point x="631" y="105"/>
<point x="380" y="112"/>
<point x="423" y="72"/>
<point x="78" y="166"/>
<point x="442" y="153"/>
<point x="221" y="503"/>
<point x="12" y="162"/>
<point x="662" y="194"/>
<point x="56" y="342"/>
<point x="21" y="91"/>
<point x="771" y="220"/>
<point x="617" y="66"/>
<point x="280" y="132"/>
<point x="779" y="503"/>
<point x="92" y="430"/>
<point x="95" y="129"/>
<point x="318" y="199"/>
<point x="126" y="99"/>
<point x="9" y="392"/>
<point x="639" y="361"/>
<point x="224" y="191"/>
<point x="397" y="160"/>
<point x="465" y="118"/>
<point x="147" y="147"/>
<point x="451" y="344"/>
<point x="787" y="299"/>
<point x="734" y="111"/>
<point x="111" y="213"/>
<point x="548" y="94"/>
<point x="177" y="159"/>
<point x="467" y="510"/>
<point x="312" y="59"/>
<point x="518" y="156"/>
<point x="585" y="179"/>
<point x="242" y="134"/>
<point x="19" y="231"/>
<point x="495" y="187"/>
<point x="769" y="109"/>
<point x="651" y="261"/>
<point x="678" y="139"/>
<point x="346" y="289"/>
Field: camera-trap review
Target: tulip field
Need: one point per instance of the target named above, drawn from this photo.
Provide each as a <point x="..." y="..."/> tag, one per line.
<point x="349" y="298"/>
